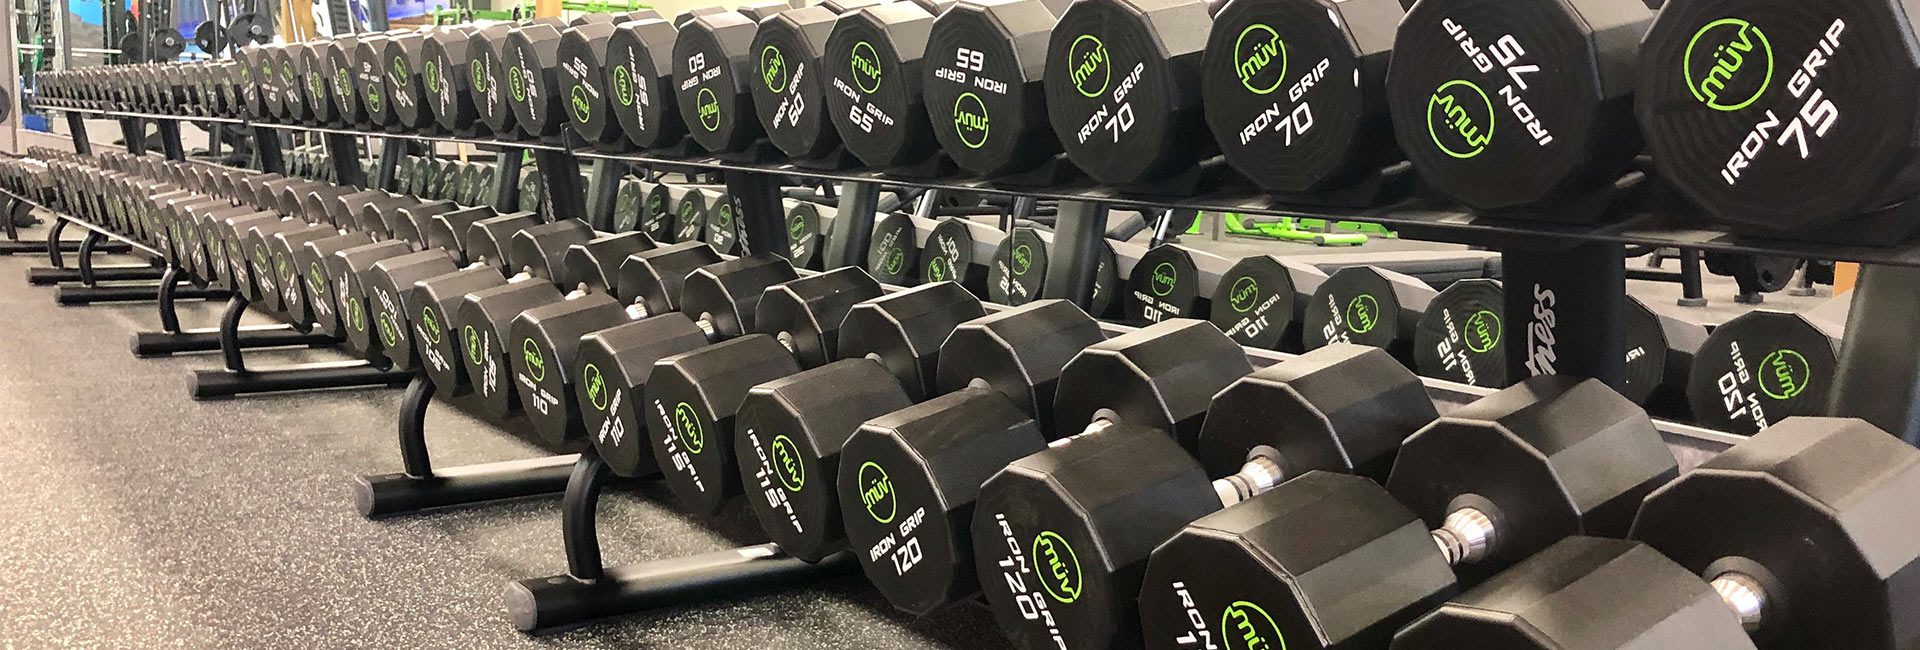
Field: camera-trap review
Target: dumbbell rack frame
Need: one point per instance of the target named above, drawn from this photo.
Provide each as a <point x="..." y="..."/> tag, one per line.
<point x="1568" y="315"/>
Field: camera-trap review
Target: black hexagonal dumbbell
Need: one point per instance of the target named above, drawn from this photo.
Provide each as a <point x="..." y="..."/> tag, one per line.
<point x="909" y="482"/>
<point x="983" y="84"/>
<point x="873" y="65"/>
<point x="341" y="73"/>
<point x="693" y="398"/>
<point x="1265" y="298"/>
<point x="712" y="71"/>
<point x="389" y="285"/>
<point x="484" y="316"/>
<point x="1787" y="540"/>
<point x="789" y="85"/>
<point x="1052" y="539"/>
<point x="1295" y="91"/>
<point x="446" y="59"/>
<point x="1369" y="306"/>
<point x="717" y="300"/>
<point x="790" y="432"/>
<point x="545" y="339"/>
<point x="370" y="74"/>
<point x="640" y="80"/>
<point x="532" y="57"/>
<point x="405" y="59"/>
<point x="1123" y="88"/>
<point x="583" y="58"/>
<point x="294" y="106"/>
<point x="1470" y="494"/>
<point x="487" y="84"/>
<point x="1518" y="108"/>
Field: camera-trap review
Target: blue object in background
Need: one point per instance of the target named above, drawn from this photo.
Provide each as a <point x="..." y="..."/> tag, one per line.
<point x="35" y="122"/>
<point x="88" y="11"/>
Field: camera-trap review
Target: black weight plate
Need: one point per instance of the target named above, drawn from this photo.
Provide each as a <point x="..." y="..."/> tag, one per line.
<point x="1354" y="305"/>
<point x="789" y="92"/>
<point x="1741" y="119"/>
<point x="1164" y="284"/>
<point x="1502" y="104"/>
<point x="690" y="217"/>
<point x="1254" y="303"/>
<point x="1646" y="351"/>
<point x="583" y="78"/>
<point x="626" y="206"/>
<point x="209" y="37"/>
<point x="313" y="70"/>
<point x="1019" y="268"/>
<point x="531" y="58"/>
<point x="487" y="78"/>
<point x="803" y="234"/>
<point x="872" y="65"/>
<point x="445" y="77"/>
<point x="656" y="214"/>
<point x="370" y="66"/>
<point x="405" y="90"/>
<point x="982" y="86"/>
<point x="293" y="98"/>
<point x="640" y="77"/>
<point x="1459" y="337"/>
<point x="1123" y="97"/>
<point x="1297" y="101"/>
<point x="892" y="257"/>
<point x="948" y="255"/>
<point x="1106" y="281"/>
<point x="710" y="76"/>
<point x="532" y="190"/>
<point x="340" y="69"/>
<point x="722" y="229"/>
<point x="1759" y="369"/>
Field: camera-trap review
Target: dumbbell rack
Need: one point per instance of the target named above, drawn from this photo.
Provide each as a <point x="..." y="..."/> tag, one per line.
<point x="1576" y="268"/>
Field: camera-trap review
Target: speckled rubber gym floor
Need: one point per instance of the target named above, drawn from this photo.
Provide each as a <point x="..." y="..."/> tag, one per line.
<point x="132" y="516"/>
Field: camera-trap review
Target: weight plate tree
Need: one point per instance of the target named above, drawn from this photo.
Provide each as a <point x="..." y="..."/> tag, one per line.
<point x="1123" y="88"/>
<point x="1297" y="102"/>
<point x="1777" y="117"/>
<point x="1523" y="106"/>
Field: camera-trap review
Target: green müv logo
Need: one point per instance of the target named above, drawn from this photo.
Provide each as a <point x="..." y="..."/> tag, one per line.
<point x="1460" y="119"/>
<point x="1254" y="53"/>
<point x="876" y="492"/>
<point x="582" y="105"/>
<point x="1784" y="374"/>
<point x="1245" y="626"/>
<point x="709" y="107"/>
<point x="773" y="69"/>
<point x="1245" y="292"/>
<point x="970" y="120"/>
<point x="536" y="362"/>
<point x="866" y="67"/>
<point x="786" y="464"/>
<point x="1164" y="279"/>
<point x="1089" y="66"/>
<point x="1059" y="568"/>
<point x="692" y="437"/>
<point x="623" y="85"/>
<point x="1362" y="313"/>
<point x="1482" y="331"/>
<point x="1728" y="64"/>
<point x="596" y="384"/>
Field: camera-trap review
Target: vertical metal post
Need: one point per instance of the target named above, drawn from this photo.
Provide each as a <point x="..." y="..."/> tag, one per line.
<point x="603" y="185"/>
<point x="386" y="167"/>
<point x="170" y="139"/>
<point x="134" y="132"/>
<point x="343" y="152"/>
<point x="852" y="231"/>
<point x="266" y="144"/>
<point x="1879" y="376"/>
<point x="560" y="173"/>
<point x="1071" y="265"/>
<point x="77" y="127"/>
<point x="757" y="206"/>
<point x="506" y="178"/>
<point x="1564" y="310"/>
